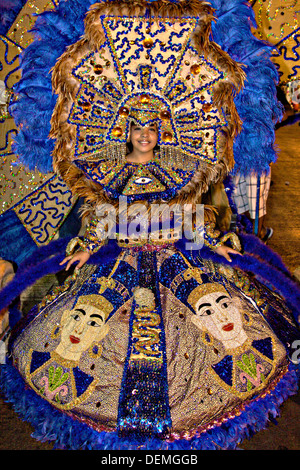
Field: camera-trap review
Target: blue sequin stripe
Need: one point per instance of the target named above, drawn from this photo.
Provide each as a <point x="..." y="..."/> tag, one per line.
<point x="144" y="403"/>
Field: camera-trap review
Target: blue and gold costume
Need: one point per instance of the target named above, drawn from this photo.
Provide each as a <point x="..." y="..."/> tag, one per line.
<point x="153" y="345"/>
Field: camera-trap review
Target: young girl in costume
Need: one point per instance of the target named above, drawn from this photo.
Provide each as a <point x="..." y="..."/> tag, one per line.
<point x="153" y="347"/>
<point x="143" y="140"/>
<point x="154" y="342"/>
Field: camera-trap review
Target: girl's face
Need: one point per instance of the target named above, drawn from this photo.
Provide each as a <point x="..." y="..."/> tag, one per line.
<point x="143" y="139"/>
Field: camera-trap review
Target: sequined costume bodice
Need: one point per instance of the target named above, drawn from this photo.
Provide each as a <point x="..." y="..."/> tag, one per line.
<point x="148" y="181"/>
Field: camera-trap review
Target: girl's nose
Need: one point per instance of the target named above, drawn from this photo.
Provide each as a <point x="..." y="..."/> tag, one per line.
<point x="145" y="131"/>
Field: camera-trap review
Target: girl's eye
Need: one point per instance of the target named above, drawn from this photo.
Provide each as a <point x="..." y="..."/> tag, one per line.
<point x="208" y="312"/>
<point x="225" y="305"/>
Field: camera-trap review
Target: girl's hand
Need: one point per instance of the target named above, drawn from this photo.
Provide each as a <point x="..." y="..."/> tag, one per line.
<point x="81" y="256"/>
<point x="225" y="250"/>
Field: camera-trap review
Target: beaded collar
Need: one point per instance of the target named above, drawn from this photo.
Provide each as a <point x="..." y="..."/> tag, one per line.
<point x="137" y="181"/>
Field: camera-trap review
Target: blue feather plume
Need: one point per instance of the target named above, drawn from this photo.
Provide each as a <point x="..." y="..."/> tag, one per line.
<point x="257" y="104"/>
<point x="9" y="10"/>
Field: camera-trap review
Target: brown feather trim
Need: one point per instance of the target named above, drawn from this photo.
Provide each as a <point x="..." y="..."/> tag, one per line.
<point x="62" y="78"/>
<point x="209" y="174"/>
<point x="160" y="8"/>
<point x="93" y="29"/>
<point x="224" y="61"/>
<point x="65" y="86"/>
<point x="82" y="187"/>
<point x="224" y="91"/>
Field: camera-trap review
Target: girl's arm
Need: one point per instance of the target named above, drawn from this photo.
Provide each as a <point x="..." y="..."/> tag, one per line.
<point x="212" y="239"/>
<point x="94" y="238"/>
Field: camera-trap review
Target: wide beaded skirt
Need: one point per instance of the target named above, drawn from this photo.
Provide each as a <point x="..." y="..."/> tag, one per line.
<point x="151" y="350"/>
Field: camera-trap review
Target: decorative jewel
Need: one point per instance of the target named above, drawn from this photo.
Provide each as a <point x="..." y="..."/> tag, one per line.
<point x="106" y="283"/>
<point x="207" y="107"/>
<point x="95" y="350"/>
<point x="148" y="43"/>
<point x="123" y="111"/>
<point x="195" y="69"/>
<point x="98" y="69"/>
<point x="55" y="332"/>
<point x="165" y="115"/>
<point x="206" y="338"/>
<point x="144" y="99"/>
<point x="193" y="273"/>
<point x="167" y="136"/>
<point x="117" y="132"/>
<point x="86" y="106"/>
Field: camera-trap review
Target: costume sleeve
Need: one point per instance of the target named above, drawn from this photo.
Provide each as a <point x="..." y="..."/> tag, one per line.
<point x="94" y="238"/>
<point x="95" y="235"/>
<point x="213" y="238"/>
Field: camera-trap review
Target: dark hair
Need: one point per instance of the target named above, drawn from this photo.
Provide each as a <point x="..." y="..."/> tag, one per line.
<point x="129" y="147"/>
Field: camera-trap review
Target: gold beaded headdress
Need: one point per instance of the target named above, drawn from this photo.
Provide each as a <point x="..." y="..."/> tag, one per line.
<point x="97" y="301"/>
<point x="146" y="61"/>
<point x="205" y="289"/>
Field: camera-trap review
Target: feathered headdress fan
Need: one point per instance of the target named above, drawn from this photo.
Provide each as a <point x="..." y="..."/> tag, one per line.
<point x="144" y="62"/>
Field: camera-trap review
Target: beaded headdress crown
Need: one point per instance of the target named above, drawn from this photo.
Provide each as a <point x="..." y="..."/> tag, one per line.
<point x="205" y="289"/>
<point x="146" y="61"/>
<point x="97" y="301"/>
